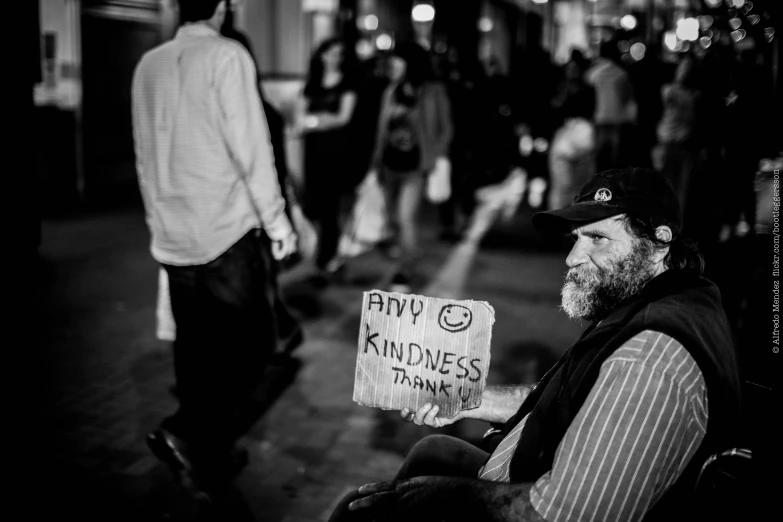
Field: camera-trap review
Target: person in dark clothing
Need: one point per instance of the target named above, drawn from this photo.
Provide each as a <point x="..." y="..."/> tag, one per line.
<point x="619" y="428"/>
<point x="330" y="99"/>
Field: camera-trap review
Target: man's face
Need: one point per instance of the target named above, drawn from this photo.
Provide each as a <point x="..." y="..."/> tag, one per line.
<point x="606" y="266"/>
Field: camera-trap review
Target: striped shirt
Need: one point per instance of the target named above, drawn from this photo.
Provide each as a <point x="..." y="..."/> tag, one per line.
<point x="639" y="427"/>
<point x="203" y="153"/>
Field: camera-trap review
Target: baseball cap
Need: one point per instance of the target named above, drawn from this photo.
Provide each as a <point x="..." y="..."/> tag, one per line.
<point x="639" y="192"/>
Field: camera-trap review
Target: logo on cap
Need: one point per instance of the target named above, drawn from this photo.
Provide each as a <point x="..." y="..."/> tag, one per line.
<point x="603" y="194"/>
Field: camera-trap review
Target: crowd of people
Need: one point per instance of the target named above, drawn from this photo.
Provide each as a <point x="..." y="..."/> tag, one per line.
<point x="397" y="112"/>
<point x="213" y="173"/>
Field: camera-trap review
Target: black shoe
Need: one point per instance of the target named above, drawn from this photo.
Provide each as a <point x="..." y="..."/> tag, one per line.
<point x="174" y="452"/>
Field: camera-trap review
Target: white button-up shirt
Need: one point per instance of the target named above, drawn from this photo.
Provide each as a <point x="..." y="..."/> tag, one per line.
<point x="203" y="154"/>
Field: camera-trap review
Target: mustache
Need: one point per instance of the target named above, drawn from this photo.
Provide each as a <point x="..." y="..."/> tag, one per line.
<point x="583" y="274"/>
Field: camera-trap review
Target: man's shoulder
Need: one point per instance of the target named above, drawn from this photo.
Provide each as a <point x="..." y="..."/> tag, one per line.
<point x="658" y="352"/>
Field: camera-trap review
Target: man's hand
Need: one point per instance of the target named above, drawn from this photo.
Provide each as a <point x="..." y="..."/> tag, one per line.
<point x="428" y="416"/>
<point x="284" y="247"/>
<point x="420" y="498"/>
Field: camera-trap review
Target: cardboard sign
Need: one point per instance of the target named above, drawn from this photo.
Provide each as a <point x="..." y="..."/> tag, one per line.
<point x="415" y="350"/>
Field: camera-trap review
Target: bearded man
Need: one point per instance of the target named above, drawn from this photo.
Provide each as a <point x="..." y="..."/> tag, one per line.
<point x="618" y="429"/>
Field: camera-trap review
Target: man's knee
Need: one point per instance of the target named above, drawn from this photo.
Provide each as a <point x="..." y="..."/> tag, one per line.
<point x="436" y="455"/>
<point x="431" y="445"/>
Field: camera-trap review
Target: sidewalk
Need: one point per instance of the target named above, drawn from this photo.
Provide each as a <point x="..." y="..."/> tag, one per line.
<point x="110" y="376"/>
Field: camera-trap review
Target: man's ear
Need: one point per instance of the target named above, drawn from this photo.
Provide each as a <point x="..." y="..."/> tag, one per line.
<point x="664" y="233"/>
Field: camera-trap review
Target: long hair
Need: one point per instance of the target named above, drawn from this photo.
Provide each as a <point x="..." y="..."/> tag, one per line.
<point x="419" y="67"/>
<point x="683" y="253"/>
<point x="197" y="10"/>
<point x="418" y="70"/>
<point x="315" y="73"/>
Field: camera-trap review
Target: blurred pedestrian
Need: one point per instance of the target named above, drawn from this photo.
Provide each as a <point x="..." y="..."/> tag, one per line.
<point x="330" y="95"/>
<point x="615" y="107"/>
<point x="217" y="221"/>
<point x="414" y="131"/>
<point x="678" y="142"/>
<point x="572" y="155"/>
<point x="534" y="79"/>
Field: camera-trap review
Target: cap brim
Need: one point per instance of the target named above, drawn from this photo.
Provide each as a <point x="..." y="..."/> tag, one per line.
<point x="561" y="220"/>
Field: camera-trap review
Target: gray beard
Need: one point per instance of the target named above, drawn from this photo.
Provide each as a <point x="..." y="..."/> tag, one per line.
<point x="592" y="293"/>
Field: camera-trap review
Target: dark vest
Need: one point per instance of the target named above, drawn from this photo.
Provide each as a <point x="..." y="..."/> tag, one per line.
<point x="677" y="303"/>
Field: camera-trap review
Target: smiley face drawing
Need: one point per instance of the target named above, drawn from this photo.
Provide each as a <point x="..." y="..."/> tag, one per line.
<point x="455" y="318"/>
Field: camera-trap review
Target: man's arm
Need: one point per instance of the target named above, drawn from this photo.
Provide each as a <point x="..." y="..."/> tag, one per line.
<point x="498" y="404"/>
<point x="247" y="136"/>
<point x="637" y="430"/>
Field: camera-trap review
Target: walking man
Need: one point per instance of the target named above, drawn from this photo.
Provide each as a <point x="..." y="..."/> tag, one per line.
<point x="217" y="221"/>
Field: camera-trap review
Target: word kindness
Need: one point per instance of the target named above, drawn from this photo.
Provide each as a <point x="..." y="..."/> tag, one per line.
<point x="415" y="349"/>
<point x="412" y="355"/>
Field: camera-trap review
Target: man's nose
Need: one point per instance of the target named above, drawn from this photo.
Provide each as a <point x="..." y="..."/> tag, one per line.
<point x="577" y="256"/>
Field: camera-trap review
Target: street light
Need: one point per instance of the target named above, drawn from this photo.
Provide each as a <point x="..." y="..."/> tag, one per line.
<point x="423" y="13"/>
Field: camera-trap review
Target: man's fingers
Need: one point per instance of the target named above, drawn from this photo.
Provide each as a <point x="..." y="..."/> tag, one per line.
<point x="406" y="414"/>
<point x="373" y="495"/>
<point x="431" y="418"/>
<point x="423" y="411"/>
<point x="377" y="487"/>
<point x="375" y="500"/>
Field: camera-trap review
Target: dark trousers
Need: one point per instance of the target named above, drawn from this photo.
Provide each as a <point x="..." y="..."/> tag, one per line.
<point x="225" y="336"/>
<point x="436" y="455"/>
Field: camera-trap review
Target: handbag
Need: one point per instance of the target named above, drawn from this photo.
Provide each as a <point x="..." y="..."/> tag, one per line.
<point x="439" y="181"/>
<point x="368" y="224"/>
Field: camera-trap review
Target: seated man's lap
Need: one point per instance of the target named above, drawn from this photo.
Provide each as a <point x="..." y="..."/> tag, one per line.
<point x="434" y="455"/>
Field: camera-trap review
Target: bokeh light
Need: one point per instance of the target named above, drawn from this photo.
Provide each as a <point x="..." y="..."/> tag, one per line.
<point x="370" y="22"/>
<point x="384" y="42"/>
<point x="637" y="51"/>
<point x="423" y="13"/>
<point x="688" y="29"/>
<point x="628" y="22"/>
<point x="485" y="24"/>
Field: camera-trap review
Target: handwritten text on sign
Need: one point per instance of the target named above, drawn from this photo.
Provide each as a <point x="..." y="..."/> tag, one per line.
<point x="415" y="350"/>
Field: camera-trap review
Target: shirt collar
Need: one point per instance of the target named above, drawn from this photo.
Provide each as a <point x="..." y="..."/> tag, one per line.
<point x="196" y="29"/>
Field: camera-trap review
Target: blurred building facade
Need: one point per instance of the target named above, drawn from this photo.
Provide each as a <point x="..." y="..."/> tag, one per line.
<point x="89" y="49"/>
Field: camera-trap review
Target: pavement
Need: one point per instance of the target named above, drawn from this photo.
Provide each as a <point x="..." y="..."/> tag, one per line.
<point x="109" y="376"/>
